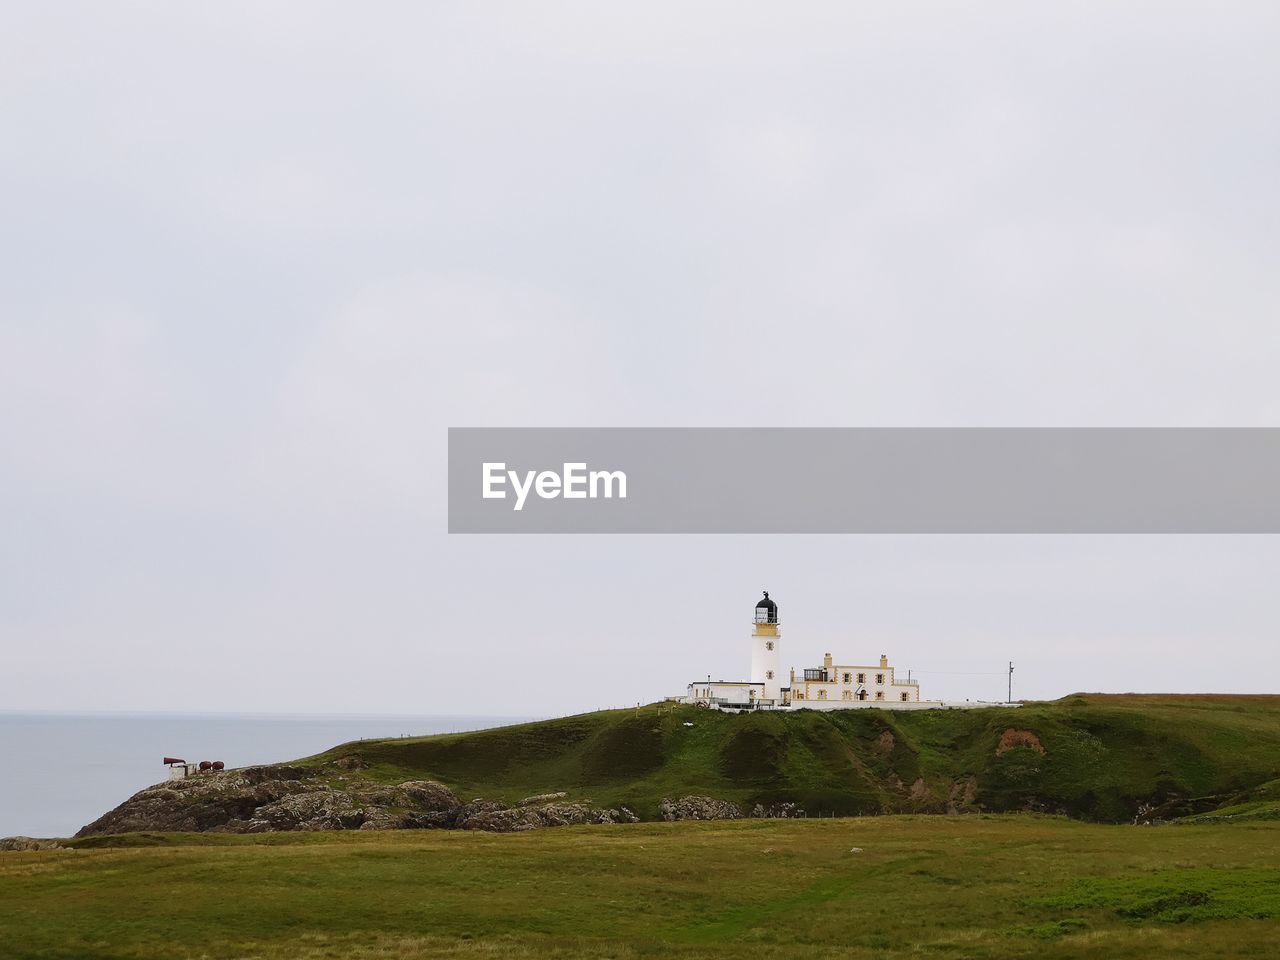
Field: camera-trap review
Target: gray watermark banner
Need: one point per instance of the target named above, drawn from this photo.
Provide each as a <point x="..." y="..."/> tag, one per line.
<point x="856" y="480"/>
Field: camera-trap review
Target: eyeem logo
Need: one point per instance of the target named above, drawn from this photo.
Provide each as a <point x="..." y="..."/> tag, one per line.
<point x="574" y="483"/>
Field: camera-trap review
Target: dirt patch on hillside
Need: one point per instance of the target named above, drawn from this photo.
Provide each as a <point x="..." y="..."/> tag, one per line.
<point x="1019" y="738"/>
<point x="964" y="795"/>
<point x="885" y="742"/>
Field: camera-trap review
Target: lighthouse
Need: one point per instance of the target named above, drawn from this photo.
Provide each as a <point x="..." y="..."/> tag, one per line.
<point x="832" y="686"/>
<point x="766" y="649"/>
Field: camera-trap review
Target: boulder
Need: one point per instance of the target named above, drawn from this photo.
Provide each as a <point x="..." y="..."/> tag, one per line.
<point x="427" y="796"/>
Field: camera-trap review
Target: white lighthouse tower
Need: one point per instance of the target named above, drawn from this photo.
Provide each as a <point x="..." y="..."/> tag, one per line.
<point x="766" y="649"/>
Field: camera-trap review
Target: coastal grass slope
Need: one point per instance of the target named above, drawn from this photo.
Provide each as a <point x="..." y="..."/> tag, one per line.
<point x="1096" y="757"/>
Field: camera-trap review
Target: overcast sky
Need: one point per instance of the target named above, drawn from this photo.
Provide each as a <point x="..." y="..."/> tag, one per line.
<point x="259" y="256"/>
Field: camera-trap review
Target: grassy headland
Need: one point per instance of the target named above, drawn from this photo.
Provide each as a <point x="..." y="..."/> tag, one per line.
<point x="1092" y="757"/>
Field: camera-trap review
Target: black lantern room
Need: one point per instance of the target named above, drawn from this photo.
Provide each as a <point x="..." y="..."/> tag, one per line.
<point x="766" y="610"/>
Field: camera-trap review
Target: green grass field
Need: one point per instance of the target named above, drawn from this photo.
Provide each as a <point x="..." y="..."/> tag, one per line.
<point x="984" y="886"/>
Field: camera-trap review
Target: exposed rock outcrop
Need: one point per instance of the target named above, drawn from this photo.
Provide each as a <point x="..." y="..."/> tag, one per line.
<point x="23" y="844"/>
<point x="265" y="799"/>
<point x="777" y="811"/>
<point x="699" y="808"/>
<point x="202" y="803"/>
<point x="487" y="815"/>
<point x="413" y="805"/>
<point x="277" y="799"/>
<point x="322" y="809"/>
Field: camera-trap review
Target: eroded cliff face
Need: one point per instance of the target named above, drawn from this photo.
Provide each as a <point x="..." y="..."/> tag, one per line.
<point x="285" y="798"/>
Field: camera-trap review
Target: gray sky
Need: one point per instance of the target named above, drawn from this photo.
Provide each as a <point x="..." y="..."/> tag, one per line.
<point x="259" y="256"/>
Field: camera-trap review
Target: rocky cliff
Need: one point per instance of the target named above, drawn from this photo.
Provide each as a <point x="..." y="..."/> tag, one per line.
<point x="280" y="798"/>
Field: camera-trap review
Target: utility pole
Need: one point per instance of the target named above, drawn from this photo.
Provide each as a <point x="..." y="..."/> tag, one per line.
<point x="1010" y="699"/>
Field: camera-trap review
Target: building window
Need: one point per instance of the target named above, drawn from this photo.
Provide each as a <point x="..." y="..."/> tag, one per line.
<point x="768" y="644"/>
<point x="798" y="695"/>
<point x="847" y="695"/>
<point x="906" y="697"/>
<point x="879" y="694"/>
<point x="879" y="678"/>
<point x="848" y="677"/>
<point x="862" y="694"/>
<point x="822" y="694"/>
<point x="768" y="675"/>
<point x="862" y="678"/>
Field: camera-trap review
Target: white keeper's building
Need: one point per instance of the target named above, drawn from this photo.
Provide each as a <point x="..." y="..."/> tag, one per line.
<point x="832" y="686"/>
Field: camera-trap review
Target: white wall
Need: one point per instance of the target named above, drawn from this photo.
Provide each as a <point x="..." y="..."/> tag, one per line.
<point x="765" y="661"/>
<point x="733" y="692"/>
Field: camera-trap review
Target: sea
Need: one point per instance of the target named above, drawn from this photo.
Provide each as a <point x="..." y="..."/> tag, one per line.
<point x="59" y="772"/>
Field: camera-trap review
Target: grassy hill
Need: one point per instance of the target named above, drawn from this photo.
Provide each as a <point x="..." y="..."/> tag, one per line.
<point x="1090" y="756"/>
